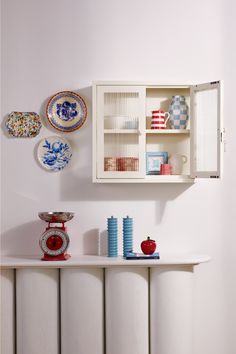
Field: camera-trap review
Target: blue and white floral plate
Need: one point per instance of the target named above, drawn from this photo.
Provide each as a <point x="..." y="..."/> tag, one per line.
<point x="54" y="153"/>
<point x="66" y="111"/>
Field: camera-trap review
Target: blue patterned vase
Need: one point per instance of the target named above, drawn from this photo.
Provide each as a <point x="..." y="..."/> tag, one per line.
<point x="178" y="113"/>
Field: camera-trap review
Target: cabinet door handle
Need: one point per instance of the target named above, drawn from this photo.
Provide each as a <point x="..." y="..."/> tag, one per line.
<point x="223" y="139"/>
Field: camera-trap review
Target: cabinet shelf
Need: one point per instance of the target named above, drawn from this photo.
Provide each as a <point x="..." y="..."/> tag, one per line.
<point x="121" y="131"/>
<point x="167" y="131"/>
<point x="169" y="179"/>
<point x="150" y="179"/>
<point x="147" y="131"/>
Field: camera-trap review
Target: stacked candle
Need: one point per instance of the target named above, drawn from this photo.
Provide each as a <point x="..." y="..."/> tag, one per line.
<point x="112" y="237"/>
<point x="127" y="235"/>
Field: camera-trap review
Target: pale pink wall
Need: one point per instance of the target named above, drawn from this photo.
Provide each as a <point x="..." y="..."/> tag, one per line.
<point x="49" y="46"/>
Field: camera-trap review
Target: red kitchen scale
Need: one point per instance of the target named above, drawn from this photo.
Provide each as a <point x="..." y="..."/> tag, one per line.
<point x="55" y="240"/>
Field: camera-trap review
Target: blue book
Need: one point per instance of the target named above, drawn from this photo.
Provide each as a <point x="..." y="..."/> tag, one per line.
<point x="134" y="255"/>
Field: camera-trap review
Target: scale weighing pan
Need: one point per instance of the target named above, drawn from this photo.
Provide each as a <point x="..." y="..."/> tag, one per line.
<point x="55" y="216"/>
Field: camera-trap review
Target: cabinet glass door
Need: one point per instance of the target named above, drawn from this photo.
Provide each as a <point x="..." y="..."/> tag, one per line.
<point x="205" y="130"/>
<point x="120" y="131"/>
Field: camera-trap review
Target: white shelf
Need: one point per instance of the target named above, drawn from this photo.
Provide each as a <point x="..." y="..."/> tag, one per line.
<point x="148" y="85"/>
<point x="149" y="179"/>
<point x="169" y="179"/>
<point x="147" y="131"/>
<point x="167" y="131"/>
<point x="100" y="262"/>
<point x="121" y="131"/>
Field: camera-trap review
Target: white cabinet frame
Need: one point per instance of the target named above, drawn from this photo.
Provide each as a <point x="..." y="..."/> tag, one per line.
<point x="202" y="146"/>
<point x="198" y="97"/>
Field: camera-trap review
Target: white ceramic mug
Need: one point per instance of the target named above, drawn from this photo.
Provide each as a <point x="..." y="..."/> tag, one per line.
<point x="177" y="161"/>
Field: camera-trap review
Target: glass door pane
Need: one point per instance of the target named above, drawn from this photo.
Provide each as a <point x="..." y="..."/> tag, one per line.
<point x="120" y="131"/>
<point x="206" y="130"/>
<point x="121" y="110"/>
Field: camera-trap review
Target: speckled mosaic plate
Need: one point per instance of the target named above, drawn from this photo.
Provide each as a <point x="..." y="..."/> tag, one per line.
<point x="23" y="124"/>
<point x="54" y="153"/>
<point x="66" y="111"/>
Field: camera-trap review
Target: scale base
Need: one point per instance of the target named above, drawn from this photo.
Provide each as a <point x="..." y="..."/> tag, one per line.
<point x="60" y="257"/>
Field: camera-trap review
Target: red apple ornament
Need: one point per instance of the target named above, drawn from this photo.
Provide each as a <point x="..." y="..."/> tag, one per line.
<point x="148" y="246"/>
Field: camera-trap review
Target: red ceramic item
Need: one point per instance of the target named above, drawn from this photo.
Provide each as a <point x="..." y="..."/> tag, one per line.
<point x="166" y="169"/>
<point x="54" y="243"/>
<point x="148" y="246"/>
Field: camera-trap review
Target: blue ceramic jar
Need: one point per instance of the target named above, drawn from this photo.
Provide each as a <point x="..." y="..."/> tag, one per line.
<point x="178" y="113"/>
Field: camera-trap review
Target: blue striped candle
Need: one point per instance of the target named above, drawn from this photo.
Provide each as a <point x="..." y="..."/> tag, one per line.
<point x="112" y="231"/>
<point x="127" y="235"/>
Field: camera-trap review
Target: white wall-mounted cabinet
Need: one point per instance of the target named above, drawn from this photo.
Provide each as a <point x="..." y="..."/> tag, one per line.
<point x="123" y="138"/>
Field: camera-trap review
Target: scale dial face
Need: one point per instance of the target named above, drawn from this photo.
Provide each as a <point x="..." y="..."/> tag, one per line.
<point x="54" y="242"/>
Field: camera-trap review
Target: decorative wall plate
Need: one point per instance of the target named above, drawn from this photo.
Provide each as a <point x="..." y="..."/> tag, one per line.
<point x="23" y="124"/>
<point x="54" y="153"/>
<point x="66" y="111"/>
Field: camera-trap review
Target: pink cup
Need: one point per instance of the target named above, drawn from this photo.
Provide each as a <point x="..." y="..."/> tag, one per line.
<point x="165" y="169"/>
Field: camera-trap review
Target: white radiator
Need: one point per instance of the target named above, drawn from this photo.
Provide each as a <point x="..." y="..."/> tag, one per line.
<point x="92" y="310"/>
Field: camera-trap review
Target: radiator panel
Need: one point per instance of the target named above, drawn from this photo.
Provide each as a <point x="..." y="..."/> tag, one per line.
<point x="127" y="310"/>
<point x="82" y="311"/>
<point x="171" y="310"/>
<point x="87" y="310"/>
<point x="7" y="334"/>
<point x="37" y="311"/>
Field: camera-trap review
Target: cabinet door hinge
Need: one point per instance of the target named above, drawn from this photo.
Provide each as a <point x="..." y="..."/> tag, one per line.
<point x="214" y="82"/>
<point x="214" y="177"/>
